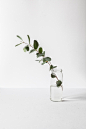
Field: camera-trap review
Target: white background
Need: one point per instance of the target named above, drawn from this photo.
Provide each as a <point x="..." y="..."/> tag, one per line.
<point x="60" y="28"/>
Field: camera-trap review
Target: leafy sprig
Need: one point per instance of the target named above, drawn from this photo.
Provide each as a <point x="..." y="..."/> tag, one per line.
<point x="39" y="53"/>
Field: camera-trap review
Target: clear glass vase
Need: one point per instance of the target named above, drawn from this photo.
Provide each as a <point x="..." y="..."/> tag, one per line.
<point x="56" y="86"/>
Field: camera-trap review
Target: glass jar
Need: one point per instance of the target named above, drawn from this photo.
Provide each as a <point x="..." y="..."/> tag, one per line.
<point x="56" y="86"/>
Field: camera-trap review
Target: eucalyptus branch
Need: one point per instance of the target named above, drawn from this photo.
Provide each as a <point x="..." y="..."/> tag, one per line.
<point x="40" y="53"/>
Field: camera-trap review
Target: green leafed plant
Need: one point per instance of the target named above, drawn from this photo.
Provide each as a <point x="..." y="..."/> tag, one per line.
<point x="40" y="50"/>
<point x="39" y="53"/>
<point x="18" y="44"/>
<point x="36" y="44"/>
<point x="51" y="67"/>
<point x="26" y="48"/>
<point x="32" y="50"/>
<point x="19" y="37"/>
<point x="53" y="75"/>
<point x="58" y="83"/>
<point x="28" y="38"/>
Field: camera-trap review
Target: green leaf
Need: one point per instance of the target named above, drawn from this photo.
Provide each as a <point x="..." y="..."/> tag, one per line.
<point x="32" y="50"/>
<point x="28" y="38"/>
<point x="54" y="66"/>
<point x="51" y="67"/>
<point x="46" y="59"/>
<point x="53" y="75"/>
<point x="26" y="48"/>
<point x="39" y="60"/>
<point x="40" y="50"/>
<point x="58" y="83"/>
<point x="42" y="54"/>
<point x="43" y="63"/>
<point x="18" y="44"/>
<point x="19" y="37"/>
<point x="36" y="44"/>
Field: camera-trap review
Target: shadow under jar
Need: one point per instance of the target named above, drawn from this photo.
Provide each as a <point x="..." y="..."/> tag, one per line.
<point x="56" y="87"/>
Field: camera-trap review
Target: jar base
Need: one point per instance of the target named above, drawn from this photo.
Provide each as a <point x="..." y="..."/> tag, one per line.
<point x="56" y="100"/>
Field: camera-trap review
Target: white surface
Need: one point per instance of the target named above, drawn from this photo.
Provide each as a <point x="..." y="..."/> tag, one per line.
<point x="60" y="28"/>
<point x="32" y="109"/>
